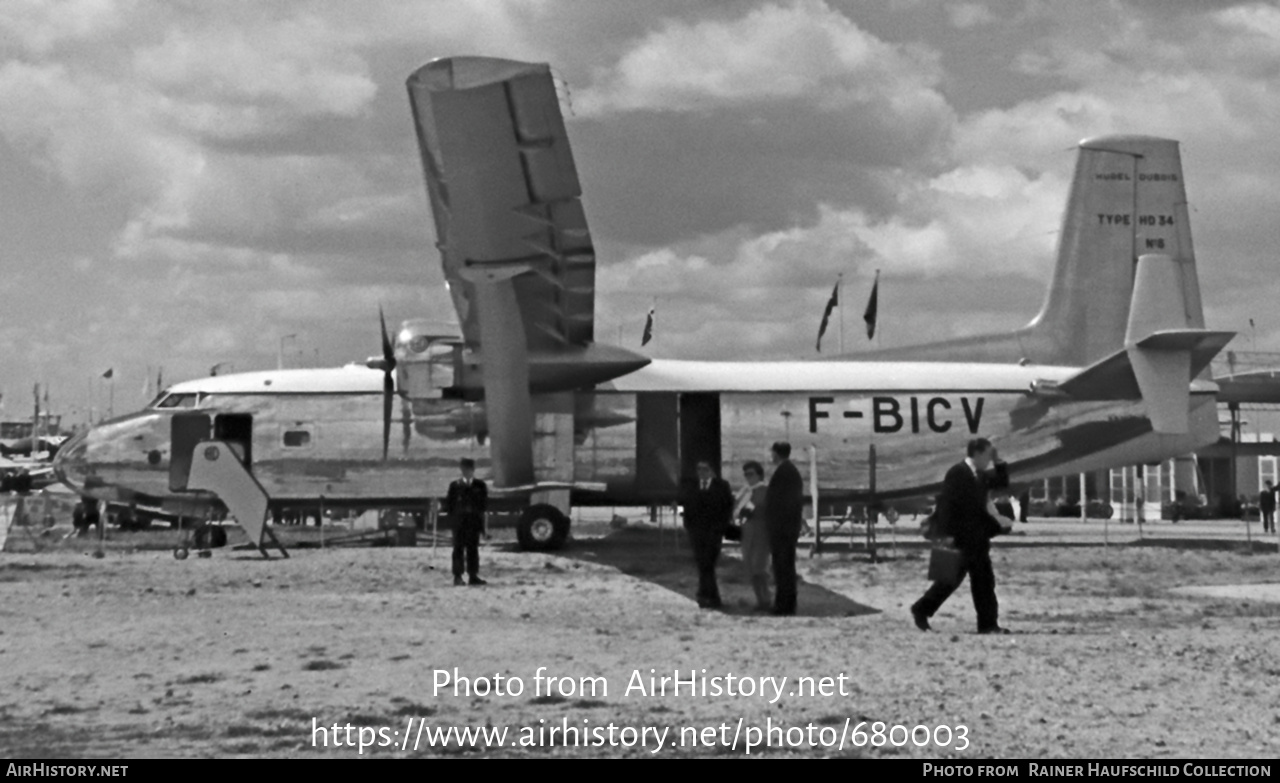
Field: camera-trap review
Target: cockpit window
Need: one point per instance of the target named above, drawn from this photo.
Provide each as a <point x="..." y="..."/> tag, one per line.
<point x="178" y="401"/>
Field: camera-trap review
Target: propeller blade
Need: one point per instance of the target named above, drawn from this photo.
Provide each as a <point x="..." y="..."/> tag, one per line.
<point x="388" y="392"/>
<point x="388" y="352"/>
<point x="388" y="384"/>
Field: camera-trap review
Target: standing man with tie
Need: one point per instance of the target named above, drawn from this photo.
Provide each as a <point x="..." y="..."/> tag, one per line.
<point x="967" y="515"/>
<point x="708" y="509"/>
<point x="465" y="505"/>
<point x="784" y="504"/>
<point x="1267" y="505"/>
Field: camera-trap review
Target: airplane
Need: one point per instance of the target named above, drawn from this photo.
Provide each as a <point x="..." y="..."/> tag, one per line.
<point x="1111" y="372"/>
<point x="33" y="447"/>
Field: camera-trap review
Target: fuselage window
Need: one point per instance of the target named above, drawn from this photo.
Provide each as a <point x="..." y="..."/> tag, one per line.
<point x="178" y="401"/>
<point x="296" y="439"/>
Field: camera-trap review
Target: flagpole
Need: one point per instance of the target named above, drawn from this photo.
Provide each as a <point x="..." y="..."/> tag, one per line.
<point x="840" y="306"/>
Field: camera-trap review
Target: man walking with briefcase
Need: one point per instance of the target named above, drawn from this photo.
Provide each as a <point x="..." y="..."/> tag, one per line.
<point x="967" y="516"/>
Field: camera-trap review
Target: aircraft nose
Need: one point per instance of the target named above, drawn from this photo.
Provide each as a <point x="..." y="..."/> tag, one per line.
<point x="70" y="464"/>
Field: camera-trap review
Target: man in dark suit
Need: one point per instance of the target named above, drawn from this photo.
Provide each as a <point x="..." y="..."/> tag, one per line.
<point x="967" y="516"/>
<point x="708" y="509"/>
<point x="465" y="505"/>
<point x="784" y="512"/>
<point x="1267" y="505"/>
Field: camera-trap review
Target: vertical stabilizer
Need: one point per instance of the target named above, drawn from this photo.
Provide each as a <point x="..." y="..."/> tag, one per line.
<point x="1127" y="199"/>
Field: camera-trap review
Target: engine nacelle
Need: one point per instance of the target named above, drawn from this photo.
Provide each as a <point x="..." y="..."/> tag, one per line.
<point x="428" y="361"/>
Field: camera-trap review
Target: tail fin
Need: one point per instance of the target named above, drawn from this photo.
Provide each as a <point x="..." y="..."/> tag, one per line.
<point x="1127" y="199"/>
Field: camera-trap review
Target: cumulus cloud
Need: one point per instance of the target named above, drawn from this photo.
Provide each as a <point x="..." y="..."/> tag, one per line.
<point x="772" y="52"/>
<point x="226" y="173"/>
<point x="286" y="69"/>
<point x="37" y="26"/>
<point x="967" y="15"/>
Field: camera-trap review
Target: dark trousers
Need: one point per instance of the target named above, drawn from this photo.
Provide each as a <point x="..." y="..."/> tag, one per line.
<point x="782" y="548"/>
<point x="982" y="583"/>
<point x="466" y="545"/>
<point x="706" y="551"/>
<point x="1268" y="521"/>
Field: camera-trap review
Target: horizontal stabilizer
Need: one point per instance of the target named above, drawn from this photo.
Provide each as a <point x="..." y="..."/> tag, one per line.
<point x="1112" y="378"/>
<point x="1161" y="356"/>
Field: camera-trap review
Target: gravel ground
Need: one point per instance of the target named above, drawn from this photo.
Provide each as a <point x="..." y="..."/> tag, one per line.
<point x="140" y="655"/>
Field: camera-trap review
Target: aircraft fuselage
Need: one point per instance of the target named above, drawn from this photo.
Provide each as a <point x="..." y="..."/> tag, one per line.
<point x="638" y="435"/>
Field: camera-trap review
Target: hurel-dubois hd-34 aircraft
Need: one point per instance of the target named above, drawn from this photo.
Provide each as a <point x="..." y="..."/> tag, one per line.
<point x="1110" y="373"/>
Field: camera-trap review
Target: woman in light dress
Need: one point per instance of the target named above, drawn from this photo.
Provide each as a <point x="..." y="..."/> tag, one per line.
<point x="755" y="536"/>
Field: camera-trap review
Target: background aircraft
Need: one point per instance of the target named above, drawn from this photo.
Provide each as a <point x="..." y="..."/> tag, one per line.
<point x="1105" y="375"/>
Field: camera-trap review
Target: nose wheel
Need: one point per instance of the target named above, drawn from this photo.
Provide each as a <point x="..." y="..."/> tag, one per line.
<point x="205" y="539"/>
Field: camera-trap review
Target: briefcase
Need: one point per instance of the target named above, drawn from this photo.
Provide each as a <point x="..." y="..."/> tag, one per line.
<point x="946" y="565"/>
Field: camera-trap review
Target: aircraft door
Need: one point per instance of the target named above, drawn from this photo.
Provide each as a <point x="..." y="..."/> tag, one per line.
<point x="236" y="429"/>
<point x="699" y="433"/>
<point x="185" y="431"/>
<point x="657" y="444"/>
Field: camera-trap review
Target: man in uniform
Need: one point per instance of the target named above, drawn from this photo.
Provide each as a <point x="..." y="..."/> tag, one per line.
<point x="784" y="504"/>
<point x="708" y="509"/>
<point x="465" y="505"/>
<point x="967" y="515"/>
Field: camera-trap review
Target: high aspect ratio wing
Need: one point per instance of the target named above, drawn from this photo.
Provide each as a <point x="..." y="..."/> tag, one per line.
<point x="505" y="195"/>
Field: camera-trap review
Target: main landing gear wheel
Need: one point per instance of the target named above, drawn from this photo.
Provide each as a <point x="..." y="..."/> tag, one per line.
<point x="542" y="528"/>
<point x="180" y="553"/>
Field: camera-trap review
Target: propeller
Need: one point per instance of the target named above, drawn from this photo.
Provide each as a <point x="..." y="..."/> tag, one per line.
<point x="388" y="383"/>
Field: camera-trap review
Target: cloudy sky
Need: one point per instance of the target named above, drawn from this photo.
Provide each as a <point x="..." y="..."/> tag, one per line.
<point x="185" y="183"/>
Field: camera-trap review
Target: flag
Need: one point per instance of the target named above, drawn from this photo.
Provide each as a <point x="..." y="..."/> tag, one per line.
<point x="110" y="372"/>
<point x="832" y="303"/>
<point x="870" y="315"/>
<point x="159" y="379"/>
<point x="648" y="329"/>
